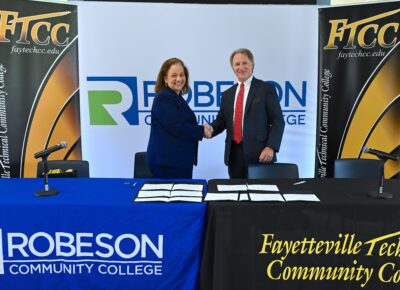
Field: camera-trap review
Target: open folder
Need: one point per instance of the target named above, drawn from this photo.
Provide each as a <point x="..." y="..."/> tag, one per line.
<point x="243" y="196"/>
<point x="245" y="192"/>
<point x="170" y="192"/>
<point x="257" y="193"/>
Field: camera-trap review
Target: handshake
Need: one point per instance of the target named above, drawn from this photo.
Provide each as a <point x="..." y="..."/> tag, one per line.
<point x="208" y="130"/>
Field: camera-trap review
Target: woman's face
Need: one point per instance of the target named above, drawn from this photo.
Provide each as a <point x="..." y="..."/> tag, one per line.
<point x="175" y="78"/>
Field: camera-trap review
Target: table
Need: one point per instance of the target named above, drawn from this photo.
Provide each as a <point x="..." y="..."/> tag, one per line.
<point x="93" y="236"/>
<point x="355" y="235"/>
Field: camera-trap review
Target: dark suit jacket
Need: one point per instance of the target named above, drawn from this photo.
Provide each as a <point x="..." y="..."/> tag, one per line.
<point x="174" y="132"/>
<point x="263" y="121"/>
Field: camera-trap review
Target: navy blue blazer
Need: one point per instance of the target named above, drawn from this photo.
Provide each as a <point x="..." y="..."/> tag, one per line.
<point x="174" y="132"/>
<point x="263" y="122"/>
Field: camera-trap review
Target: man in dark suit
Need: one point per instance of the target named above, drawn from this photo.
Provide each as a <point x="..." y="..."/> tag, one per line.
<point x="251" y="114"/>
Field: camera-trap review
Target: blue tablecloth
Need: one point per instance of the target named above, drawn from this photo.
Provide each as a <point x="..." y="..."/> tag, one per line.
<point x="93" y="236"/>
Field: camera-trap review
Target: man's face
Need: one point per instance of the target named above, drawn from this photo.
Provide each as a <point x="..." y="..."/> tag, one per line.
<point x="242" y="66"/>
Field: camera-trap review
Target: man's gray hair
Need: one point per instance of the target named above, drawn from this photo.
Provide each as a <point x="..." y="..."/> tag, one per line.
<point x="244" y="51"/>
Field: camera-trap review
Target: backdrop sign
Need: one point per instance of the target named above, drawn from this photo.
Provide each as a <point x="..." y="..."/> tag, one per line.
<point x="122" y="47"/>
<point x="358" y="77"/>
<point x="38" y="83"/>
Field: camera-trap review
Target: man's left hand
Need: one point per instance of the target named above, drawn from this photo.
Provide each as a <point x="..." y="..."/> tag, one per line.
<point x="266" y="155"/>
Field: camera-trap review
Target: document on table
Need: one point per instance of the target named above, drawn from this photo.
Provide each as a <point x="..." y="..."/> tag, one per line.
<point x="153" y="193"/>
<point x="157" y="186"/>
<point x="235" y="196"/>
<point x="301" y="197"/>
<point x="246" y="192"/>
<point x="167" y="192"/>
<point x="262" y="187"/>
<point x="247" y="187"/>
<point x="188" y="186"/>
<point x="186" y="193"/>
<point x="169" y="199"/>
<point x="221" y="196"/>
<point x="244" y="197"/>
<point x="232" y="187"/>
<point x="266" y="197"/>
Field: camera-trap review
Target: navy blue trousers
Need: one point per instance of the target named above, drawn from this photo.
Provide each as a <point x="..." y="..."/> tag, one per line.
<point x="168" y="172"/>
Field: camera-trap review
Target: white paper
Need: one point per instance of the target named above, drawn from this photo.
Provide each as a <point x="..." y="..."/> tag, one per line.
<point x="266" y="197"/>
<point x="187" y="186"/>
<point x="300" y="197"/>
<point x="243" y="197"/>
<point x="232" y="187"/>
<point x="153" y="193"/>
<point x="187" y="198"/>
<point x="186" y="193"/>
<point x="263" y="187"/>
<point x="169" y="199"/>
<point x="155" y="199"/>
<point x="211" y="196"/>
<point x="157" y="186"/>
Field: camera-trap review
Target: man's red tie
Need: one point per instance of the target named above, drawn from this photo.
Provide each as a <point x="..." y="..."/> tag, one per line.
<point x="237" y="124"/>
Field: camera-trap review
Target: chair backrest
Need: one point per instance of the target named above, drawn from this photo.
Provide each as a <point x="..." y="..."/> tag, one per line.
<point x="358" y="168"/>
<point x="274" y="170"/>
<point x="141" y="169"/>
<point x="79" y="167"/>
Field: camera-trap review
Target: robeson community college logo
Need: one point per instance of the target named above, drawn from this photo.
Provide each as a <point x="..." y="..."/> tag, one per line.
<point x="116" y="96"/>
<point x="116" y="100"/>
<point x="45" y="253"/>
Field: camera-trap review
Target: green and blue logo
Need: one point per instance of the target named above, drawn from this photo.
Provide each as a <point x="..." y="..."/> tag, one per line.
<point x="99" y="100"/>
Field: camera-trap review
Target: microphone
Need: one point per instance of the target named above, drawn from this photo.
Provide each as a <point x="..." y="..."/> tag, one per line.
<point x="380" y="154"/>
<point x="52" y="149"/>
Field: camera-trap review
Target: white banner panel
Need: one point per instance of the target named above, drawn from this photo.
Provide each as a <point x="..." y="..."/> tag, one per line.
<point x="122" y="47"/>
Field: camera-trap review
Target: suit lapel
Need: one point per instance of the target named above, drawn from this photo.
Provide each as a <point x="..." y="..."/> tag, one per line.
<point x="251" y="95"/>
<point x="186" y="108"/>
<point x="231" y="104"/>
<point x="182" y="105"/>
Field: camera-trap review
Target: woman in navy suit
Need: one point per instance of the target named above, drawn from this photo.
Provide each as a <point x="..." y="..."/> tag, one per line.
<point x="174" y="134"/>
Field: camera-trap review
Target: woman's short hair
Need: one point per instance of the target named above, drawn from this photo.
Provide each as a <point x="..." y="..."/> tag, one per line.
<point x="244" y="51"/>
<point x="160" y="83"/>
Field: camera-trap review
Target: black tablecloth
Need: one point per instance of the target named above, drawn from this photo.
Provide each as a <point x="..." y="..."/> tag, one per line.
<point x="237" y="231"/>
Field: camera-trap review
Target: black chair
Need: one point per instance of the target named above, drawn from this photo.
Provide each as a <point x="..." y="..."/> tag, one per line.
<point x="65" y="168"/>
<point x="274" y="170"/>
<point x="141" y="170"/>
<point x="358" y="168"/>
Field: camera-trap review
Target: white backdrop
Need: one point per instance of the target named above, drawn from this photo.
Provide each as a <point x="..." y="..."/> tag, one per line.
<point x="133" y="39"/>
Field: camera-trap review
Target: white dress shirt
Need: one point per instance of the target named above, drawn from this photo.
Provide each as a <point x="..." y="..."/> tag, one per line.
<point x="247" y="84"/>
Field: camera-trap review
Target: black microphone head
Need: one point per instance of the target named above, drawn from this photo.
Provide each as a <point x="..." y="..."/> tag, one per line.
<point x="63" y="144"/>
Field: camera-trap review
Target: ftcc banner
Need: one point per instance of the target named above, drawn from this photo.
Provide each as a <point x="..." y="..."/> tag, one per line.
<point x="359" y="87"/>
<point x="39" y="104"/>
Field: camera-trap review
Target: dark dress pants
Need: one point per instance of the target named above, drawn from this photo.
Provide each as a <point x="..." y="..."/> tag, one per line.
<point x="237" y="166"/>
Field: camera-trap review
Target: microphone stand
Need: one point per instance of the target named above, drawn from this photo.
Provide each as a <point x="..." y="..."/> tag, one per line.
<point x="46" y="191"/>
<point x="381" y="194"/>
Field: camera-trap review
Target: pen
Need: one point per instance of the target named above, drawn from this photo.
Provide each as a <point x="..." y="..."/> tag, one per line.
<point x="131" y="184"/>
<point x="300" y="182"/>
